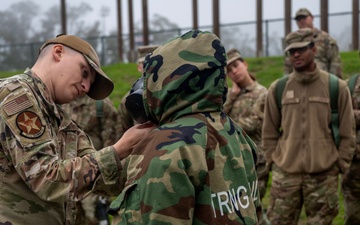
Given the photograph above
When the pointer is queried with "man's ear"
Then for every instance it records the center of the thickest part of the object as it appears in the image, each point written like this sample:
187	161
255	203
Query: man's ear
57	51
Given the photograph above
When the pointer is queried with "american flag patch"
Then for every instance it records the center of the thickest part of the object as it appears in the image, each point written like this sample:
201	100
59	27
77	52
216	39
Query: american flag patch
16	105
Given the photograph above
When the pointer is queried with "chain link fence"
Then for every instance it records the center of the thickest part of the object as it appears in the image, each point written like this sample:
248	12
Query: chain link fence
240	35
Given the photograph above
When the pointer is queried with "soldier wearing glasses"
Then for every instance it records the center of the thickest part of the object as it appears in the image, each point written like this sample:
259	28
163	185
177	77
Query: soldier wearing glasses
327	56
297	140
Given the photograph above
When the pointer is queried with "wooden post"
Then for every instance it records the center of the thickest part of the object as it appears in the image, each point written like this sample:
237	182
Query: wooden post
119	31
324	14
259	33
216	24
195	14
355	24
145	22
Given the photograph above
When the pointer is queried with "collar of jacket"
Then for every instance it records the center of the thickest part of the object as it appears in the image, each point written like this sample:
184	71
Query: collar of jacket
306	77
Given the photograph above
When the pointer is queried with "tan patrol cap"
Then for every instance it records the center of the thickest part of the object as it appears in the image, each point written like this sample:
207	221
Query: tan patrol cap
302	12
102	86
144	50
299	39
232	55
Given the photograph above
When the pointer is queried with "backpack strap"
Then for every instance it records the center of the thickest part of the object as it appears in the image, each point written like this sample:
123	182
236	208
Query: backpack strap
99	115
352	82
279	89
334	92
99	108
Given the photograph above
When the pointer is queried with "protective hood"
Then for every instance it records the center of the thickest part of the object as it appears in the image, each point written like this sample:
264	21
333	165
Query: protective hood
184	76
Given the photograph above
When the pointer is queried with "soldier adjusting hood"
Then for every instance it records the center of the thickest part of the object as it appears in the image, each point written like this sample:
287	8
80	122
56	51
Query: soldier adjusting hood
185	76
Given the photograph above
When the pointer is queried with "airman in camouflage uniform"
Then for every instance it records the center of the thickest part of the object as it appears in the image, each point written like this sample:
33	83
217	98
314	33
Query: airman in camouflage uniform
297	139
96	117
198	166
351	178
245	104
125	119
47	162
327	57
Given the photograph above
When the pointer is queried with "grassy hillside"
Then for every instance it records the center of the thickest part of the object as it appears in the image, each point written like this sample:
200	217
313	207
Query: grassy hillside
266	69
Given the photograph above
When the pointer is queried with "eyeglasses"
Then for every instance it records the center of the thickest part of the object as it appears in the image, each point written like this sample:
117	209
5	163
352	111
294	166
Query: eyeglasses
300	18
291	52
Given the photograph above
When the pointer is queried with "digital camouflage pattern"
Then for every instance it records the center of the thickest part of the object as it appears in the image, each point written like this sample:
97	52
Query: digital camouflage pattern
125	121
100	128
316	192
98	119
351	178
46	161
198	166
247	109
327	56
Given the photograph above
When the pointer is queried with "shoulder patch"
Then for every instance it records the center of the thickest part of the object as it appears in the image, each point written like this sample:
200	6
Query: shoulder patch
29	124
16	105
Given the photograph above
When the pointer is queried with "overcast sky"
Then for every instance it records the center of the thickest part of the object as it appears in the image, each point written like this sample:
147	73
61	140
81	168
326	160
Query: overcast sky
180	11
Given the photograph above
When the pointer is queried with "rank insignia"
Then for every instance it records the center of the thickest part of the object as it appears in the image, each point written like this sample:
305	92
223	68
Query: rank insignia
29	124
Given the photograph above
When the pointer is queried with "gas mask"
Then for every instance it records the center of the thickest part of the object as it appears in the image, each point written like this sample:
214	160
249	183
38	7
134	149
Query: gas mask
134	102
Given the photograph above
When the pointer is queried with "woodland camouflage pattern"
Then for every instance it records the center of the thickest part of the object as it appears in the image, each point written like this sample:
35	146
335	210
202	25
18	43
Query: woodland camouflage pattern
327	57
351	178
46	161
198	166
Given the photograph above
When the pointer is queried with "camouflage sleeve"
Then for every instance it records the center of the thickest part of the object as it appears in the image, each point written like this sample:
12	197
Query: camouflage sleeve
46	158
253	123
228	105
125	121
109	133
334	60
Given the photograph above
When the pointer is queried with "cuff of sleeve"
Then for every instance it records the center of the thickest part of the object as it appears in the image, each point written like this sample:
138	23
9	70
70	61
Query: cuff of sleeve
109	164
343	166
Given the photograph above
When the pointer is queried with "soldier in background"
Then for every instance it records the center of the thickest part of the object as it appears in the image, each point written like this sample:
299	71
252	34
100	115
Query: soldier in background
297	141
327	56
96	118
351	178
245	104
126	121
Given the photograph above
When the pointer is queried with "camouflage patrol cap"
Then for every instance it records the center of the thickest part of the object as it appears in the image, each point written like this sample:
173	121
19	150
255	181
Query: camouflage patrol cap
102	86
232	55
144	50
302	12
299	39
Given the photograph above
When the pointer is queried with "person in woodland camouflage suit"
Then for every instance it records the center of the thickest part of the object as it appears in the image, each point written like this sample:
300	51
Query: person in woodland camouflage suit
351	178
327	56
245	104
198	166
47	162
96	117
125	119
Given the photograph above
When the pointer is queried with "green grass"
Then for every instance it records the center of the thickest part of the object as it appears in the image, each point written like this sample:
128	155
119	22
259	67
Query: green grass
266	69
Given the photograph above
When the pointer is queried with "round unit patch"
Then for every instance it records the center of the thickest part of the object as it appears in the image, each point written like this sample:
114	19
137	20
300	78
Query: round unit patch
29	124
